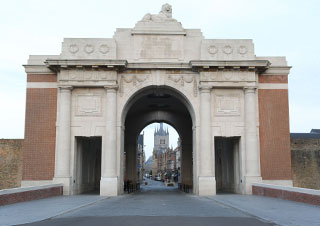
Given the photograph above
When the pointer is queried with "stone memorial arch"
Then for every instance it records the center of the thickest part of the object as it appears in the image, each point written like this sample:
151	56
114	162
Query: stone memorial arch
86	107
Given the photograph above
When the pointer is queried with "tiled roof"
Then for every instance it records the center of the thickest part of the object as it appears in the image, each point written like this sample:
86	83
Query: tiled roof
305	135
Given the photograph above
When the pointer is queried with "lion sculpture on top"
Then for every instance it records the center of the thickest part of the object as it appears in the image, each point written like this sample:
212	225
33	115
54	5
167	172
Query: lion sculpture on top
164	15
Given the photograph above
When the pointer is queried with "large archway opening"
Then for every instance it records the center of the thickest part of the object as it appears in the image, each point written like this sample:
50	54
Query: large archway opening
162	105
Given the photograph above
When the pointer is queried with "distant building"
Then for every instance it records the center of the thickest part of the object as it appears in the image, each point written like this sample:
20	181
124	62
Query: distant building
177	151
140	158
166	162
315	131
148	165
161	143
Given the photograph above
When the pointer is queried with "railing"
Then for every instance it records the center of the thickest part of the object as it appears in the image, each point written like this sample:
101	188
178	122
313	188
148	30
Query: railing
130	187
185	187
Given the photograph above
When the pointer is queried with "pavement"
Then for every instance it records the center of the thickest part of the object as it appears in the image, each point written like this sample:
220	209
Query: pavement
156	205
39	210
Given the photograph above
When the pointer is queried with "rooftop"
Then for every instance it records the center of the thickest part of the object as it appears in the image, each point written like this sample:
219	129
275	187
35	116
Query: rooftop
314	134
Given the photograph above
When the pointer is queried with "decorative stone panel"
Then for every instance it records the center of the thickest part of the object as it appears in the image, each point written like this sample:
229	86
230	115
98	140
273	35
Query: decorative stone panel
226	76
82	77
88	105
227	49
183	79
227	105
132	80
88	48
164	47
227	112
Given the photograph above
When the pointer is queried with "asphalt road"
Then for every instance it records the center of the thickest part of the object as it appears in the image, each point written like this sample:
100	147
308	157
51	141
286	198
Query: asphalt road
154	221
154	205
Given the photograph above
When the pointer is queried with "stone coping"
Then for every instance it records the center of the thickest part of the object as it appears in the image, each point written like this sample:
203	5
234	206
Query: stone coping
30	188
287	188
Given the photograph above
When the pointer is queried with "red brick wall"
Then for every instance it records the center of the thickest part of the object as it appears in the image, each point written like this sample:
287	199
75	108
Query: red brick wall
273	79
41	78
275	155
40	131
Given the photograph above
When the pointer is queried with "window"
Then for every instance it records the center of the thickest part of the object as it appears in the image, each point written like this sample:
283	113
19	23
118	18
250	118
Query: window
162	141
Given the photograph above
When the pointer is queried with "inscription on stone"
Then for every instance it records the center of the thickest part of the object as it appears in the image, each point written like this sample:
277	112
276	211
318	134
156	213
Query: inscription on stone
88	105
158	47
227	105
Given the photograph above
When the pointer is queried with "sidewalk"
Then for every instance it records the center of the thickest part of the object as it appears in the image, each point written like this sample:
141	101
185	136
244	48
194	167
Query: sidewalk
37	210
281	212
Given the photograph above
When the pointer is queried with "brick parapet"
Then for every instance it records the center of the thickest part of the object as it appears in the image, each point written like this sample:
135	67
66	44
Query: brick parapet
309	196
11	196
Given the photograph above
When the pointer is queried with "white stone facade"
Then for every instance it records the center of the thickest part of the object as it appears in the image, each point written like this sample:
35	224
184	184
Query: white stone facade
99	79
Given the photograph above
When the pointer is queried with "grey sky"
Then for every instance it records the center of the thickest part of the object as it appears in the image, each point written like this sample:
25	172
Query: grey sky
278	28
148	137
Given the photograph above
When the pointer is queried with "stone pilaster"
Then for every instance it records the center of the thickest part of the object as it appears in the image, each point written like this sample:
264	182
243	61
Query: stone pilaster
109	179
252	154
207	182
62	161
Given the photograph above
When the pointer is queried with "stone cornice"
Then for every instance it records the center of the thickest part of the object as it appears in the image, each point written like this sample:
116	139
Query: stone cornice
158	65
205	88
157	32
277	70
256	65
54	65
37	69
111	87
58	64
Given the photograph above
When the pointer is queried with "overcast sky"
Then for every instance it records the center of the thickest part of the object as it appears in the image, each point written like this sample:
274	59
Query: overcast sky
149	136
278	28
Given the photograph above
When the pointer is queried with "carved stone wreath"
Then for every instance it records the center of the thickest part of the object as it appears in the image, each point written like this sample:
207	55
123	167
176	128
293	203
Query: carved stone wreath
182	79
134	79
227	49
212	49
73	48
89	48
242	50
104	49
